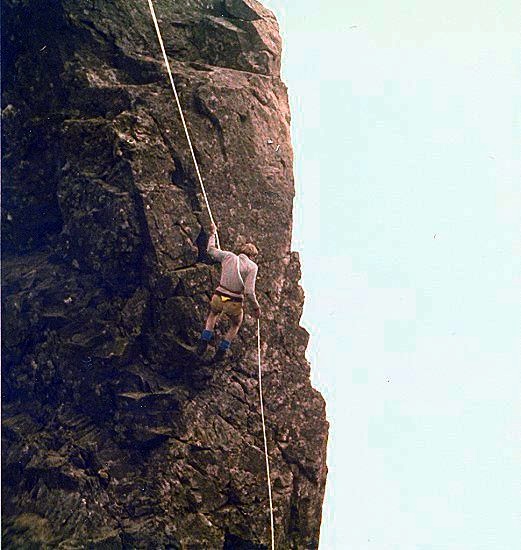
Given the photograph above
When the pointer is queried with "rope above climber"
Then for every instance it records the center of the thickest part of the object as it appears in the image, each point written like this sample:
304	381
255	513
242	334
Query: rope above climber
238	275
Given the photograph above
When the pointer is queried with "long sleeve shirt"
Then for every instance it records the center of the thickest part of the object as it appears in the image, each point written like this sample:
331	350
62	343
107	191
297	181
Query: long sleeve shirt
230	282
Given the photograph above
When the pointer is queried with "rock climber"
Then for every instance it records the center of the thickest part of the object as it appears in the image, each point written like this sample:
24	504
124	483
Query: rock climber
238	274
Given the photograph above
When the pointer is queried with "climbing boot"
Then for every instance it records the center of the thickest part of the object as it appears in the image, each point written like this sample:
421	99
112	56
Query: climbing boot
206	336
220	354
201	347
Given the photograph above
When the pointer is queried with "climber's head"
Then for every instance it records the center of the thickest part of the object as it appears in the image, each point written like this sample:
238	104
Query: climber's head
249	249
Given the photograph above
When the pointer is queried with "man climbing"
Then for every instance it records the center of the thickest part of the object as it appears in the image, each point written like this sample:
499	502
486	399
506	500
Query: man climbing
238	274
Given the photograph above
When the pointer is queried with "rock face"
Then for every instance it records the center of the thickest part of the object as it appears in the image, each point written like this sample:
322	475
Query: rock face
113	436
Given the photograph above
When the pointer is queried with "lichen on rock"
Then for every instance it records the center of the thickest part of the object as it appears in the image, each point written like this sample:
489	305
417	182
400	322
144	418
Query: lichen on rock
113	436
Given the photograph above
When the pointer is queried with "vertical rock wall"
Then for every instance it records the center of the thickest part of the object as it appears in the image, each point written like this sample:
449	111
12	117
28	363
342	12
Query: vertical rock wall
113	437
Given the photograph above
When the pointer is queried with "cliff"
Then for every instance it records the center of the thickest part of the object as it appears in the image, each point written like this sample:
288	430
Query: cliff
113	436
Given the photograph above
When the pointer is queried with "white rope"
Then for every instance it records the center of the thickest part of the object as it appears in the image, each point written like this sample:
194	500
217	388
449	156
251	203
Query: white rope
264	434
167	65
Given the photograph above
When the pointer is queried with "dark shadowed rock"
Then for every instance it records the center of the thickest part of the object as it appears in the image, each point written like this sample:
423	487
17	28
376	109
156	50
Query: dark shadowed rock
114	435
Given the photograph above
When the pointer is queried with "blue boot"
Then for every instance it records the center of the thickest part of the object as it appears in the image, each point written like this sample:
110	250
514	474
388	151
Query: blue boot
221	352
206	336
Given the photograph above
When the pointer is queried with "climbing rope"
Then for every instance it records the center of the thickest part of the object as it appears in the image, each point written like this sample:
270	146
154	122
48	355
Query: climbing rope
264	433
167	65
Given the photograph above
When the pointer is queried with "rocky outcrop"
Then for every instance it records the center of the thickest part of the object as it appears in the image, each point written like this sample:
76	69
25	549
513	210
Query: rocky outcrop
113	436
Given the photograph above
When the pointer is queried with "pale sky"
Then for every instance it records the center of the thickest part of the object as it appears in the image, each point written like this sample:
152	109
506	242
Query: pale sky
406	131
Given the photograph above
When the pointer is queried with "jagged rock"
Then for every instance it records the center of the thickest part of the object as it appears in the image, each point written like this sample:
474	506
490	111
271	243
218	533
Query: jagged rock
115	436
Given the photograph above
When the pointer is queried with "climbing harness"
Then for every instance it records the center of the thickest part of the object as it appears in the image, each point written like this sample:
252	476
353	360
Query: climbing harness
167	65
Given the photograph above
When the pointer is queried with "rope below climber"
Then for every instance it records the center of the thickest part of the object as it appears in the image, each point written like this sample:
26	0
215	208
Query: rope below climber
238	275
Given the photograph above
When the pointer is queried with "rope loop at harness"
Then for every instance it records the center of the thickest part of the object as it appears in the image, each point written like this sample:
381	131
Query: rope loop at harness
167	65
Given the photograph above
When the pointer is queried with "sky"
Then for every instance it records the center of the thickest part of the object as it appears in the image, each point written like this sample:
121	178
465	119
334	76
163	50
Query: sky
406	128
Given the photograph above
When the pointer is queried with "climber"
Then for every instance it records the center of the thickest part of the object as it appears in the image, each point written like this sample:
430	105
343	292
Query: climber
238	273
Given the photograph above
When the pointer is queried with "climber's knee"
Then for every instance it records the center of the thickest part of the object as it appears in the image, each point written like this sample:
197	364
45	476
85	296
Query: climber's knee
235	313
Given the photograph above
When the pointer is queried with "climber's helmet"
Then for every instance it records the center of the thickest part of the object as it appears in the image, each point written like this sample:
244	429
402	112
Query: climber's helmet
249	249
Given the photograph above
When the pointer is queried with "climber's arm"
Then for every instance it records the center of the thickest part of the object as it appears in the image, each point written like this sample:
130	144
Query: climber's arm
212	250
249	290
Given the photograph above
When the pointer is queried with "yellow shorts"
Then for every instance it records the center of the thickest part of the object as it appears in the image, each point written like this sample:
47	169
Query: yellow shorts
221	304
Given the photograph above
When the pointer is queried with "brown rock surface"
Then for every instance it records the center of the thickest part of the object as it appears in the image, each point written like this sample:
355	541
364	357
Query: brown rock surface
113	436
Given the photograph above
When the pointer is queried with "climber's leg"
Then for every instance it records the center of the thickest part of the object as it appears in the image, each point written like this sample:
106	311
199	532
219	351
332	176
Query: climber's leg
234	311
212	320
234	328
216	308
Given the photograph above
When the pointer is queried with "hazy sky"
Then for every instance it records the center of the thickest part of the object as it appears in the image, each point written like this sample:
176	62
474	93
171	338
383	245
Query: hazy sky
406	130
